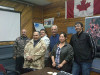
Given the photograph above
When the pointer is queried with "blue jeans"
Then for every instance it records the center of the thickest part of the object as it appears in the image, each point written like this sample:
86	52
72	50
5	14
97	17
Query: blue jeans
1	73
83	67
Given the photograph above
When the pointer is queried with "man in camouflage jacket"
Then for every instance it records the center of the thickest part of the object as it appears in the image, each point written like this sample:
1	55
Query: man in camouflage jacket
19	50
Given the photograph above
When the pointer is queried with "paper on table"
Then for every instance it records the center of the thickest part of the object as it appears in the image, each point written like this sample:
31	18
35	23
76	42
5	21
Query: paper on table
50	72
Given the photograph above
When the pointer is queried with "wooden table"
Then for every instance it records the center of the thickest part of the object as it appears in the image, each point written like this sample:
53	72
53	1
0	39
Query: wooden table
41	72
94	73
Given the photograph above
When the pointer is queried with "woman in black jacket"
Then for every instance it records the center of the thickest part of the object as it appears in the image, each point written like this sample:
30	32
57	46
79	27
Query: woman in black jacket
62	54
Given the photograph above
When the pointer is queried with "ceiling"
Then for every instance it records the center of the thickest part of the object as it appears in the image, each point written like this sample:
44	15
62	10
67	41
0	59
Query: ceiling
37	2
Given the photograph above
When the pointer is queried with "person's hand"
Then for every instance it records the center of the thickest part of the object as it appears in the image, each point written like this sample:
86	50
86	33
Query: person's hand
53	64
60	66
29	58
14	58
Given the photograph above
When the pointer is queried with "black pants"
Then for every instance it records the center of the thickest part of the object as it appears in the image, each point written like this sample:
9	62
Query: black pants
19	64
48	62
29	70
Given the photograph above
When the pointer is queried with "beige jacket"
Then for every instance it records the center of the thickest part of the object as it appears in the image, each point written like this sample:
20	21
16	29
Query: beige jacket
37	53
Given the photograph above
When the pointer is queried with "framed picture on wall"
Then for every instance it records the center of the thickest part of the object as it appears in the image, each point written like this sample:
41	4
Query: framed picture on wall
38	26
48	22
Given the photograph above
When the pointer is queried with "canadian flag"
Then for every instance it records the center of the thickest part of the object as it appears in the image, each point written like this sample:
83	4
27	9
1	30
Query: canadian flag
81	8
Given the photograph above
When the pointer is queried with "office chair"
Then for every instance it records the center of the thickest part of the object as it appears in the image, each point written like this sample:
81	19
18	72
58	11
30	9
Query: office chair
4	71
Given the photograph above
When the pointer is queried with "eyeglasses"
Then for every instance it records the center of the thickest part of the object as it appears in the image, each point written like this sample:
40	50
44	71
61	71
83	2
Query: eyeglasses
77	25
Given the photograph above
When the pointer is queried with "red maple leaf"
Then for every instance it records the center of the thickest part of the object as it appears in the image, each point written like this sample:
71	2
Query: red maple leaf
83	5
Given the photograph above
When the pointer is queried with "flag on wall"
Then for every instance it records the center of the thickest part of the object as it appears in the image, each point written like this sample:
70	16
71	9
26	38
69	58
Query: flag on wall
81	8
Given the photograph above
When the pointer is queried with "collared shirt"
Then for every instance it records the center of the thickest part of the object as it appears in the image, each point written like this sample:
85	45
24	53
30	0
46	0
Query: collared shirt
53	40
66	53
57	59
78	35
36	41
46	40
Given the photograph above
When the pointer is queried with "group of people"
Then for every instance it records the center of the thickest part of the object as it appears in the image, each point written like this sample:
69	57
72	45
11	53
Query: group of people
75	57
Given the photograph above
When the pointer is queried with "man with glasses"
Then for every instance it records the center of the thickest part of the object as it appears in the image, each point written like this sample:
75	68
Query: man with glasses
19	50
83	46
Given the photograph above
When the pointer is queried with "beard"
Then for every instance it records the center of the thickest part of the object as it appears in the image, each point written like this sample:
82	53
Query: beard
24	35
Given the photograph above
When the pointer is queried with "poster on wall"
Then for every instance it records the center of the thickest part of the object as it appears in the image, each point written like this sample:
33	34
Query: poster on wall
92	26
48	22
71	30
38	26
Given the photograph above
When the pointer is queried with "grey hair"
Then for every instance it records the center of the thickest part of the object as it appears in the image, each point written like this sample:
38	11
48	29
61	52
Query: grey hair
54	26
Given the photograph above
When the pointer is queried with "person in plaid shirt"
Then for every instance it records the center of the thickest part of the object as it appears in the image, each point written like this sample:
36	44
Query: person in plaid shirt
62	54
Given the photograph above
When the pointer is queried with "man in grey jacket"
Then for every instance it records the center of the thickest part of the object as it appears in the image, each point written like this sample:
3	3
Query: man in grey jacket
19	50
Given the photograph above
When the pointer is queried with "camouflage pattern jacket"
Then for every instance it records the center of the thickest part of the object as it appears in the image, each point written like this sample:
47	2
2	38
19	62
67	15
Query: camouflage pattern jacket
19	46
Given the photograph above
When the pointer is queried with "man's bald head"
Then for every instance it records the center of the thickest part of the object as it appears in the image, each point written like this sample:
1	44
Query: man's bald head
54	30
24	32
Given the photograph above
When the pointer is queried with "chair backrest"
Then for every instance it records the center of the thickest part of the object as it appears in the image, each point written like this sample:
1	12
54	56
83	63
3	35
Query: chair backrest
6	60
6	51
6	56
2	69
98	52
98	48
96	65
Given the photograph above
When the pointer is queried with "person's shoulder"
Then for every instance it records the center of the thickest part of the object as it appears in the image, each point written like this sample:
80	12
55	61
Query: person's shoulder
86	34
51	36
46	37
56	45
74	35
18	38
30	41
57	35
42	40
28	38
67	44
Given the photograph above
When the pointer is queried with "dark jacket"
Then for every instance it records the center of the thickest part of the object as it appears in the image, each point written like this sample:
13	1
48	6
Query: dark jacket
83	46
65	54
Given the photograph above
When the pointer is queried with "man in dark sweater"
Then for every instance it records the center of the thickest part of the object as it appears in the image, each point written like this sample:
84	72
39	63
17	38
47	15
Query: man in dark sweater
83	46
